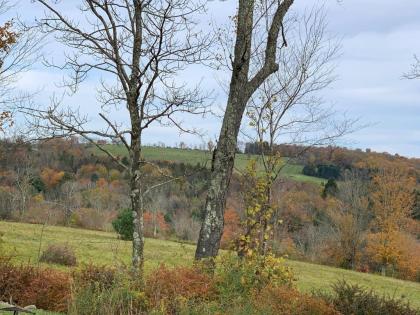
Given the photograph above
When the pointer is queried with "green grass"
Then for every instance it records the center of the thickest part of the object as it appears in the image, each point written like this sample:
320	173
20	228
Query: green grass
23	241
194	157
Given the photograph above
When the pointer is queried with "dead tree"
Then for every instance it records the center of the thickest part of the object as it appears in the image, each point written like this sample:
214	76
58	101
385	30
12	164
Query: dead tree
247	76
139	48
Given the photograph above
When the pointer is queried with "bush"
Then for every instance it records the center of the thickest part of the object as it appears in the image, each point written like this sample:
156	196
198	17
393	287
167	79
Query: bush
60	254
288	301
48	289
42	213
88	218
102	276
170	289
351	299
239	277
103	290
123	225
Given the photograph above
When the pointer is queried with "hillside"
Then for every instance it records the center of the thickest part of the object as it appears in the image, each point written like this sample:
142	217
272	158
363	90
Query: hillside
23	241
194	157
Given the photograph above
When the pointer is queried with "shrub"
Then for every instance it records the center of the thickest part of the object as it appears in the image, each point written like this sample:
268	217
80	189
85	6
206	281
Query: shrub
288	301
123	225
40	213
60	254
48	289
103	290
88	218
170	289
238	277
351	299
102	276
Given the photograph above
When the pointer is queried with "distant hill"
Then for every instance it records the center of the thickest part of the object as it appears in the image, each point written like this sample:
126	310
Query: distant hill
194	157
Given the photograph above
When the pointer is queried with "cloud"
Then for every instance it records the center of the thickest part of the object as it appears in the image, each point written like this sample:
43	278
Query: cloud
379	39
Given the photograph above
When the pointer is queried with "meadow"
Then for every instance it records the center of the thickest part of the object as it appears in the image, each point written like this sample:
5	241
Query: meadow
194	157
26	241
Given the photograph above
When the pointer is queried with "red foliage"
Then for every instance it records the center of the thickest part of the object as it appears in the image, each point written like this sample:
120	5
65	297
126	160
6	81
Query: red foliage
48	289
155	220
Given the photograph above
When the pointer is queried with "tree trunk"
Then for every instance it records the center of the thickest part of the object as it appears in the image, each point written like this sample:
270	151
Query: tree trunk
137	208
136	189
240	91
222	166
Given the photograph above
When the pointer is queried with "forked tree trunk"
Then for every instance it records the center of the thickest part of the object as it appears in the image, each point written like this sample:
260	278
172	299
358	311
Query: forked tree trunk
240	91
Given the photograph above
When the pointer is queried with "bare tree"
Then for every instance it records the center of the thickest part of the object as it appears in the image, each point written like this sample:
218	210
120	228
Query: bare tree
246	77
288	106
414	72
139	48
18	50
24	188
350	219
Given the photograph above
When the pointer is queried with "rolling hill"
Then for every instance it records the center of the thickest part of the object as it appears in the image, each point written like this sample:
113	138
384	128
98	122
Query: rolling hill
194	157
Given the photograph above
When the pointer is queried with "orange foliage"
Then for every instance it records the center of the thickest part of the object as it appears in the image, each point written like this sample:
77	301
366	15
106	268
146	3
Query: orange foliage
167	289
51	178
101	183
152	221
392	200
396	253
393	197
7	37
88	169
231	229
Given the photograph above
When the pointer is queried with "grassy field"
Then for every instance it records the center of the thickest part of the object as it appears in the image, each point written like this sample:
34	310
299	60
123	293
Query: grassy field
23	241
195	157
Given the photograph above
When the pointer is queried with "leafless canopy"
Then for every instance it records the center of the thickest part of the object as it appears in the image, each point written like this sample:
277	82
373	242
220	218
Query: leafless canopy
14	60
288	107
414	73
139	49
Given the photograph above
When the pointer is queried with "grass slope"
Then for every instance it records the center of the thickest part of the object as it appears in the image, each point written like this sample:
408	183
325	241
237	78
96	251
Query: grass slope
23	241
195	157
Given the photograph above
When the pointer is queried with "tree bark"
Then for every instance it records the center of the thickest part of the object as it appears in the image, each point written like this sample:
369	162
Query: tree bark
240	91
136	204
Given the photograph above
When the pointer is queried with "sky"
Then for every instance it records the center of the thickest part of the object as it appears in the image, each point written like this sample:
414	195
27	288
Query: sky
379	39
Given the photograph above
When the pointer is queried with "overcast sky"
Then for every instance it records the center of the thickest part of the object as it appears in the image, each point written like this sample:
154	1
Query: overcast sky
379	39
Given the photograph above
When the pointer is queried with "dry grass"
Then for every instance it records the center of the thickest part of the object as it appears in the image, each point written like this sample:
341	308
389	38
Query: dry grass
22	240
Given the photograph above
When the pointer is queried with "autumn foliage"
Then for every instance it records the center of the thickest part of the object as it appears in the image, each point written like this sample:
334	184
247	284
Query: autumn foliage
231	228
27	285
51	178
169	288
